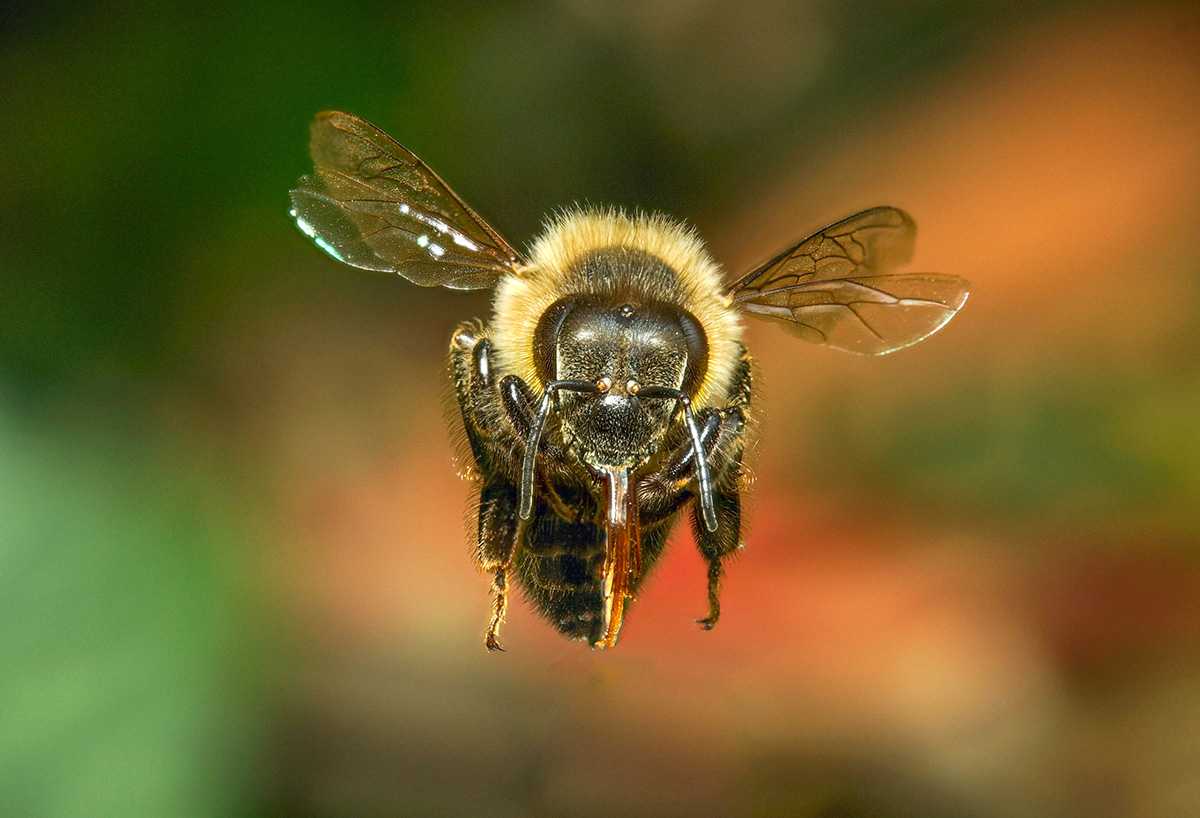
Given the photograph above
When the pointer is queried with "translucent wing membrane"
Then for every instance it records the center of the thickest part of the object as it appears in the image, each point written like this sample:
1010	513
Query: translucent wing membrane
871	315
373	204
835	287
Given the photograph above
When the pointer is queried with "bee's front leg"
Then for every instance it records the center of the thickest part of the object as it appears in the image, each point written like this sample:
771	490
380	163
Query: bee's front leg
519	402
520	408
681	465
498	530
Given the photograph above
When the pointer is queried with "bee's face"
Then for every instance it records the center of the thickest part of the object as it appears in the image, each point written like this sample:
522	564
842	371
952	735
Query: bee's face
622	348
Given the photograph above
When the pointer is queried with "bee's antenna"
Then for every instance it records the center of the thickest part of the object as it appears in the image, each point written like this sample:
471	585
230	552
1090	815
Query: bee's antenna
535	437
702	477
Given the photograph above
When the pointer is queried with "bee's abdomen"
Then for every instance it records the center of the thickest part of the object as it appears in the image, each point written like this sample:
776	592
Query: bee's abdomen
559	565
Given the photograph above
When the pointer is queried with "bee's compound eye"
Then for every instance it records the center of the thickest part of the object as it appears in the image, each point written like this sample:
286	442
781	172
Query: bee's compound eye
632	387
626	310
604	384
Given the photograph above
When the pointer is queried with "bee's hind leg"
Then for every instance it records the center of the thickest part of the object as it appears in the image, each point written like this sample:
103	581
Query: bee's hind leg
716	545
495	547
491	639
720	430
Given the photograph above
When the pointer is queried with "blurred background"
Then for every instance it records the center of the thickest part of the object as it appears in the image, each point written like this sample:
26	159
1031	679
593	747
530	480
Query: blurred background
234	578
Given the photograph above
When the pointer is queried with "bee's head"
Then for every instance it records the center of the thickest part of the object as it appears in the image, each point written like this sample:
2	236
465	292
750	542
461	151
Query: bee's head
622	346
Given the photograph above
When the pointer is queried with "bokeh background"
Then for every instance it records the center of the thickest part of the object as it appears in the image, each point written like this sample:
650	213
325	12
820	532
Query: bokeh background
233	571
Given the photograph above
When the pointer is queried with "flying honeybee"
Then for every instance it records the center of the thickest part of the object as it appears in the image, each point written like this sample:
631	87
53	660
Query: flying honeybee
611	388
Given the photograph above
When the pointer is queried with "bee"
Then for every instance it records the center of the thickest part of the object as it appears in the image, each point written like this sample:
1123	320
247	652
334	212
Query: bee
611	390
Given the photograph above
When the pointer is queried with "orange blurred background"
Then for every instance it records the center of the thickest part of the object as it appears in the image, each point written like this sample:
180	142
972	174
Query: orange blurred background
239	582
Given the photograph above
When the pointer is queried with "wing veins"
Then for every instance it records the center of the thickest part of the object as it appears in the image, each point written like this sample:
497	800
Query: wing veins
851	306
442	218
849	269
756	295
888	220
407	158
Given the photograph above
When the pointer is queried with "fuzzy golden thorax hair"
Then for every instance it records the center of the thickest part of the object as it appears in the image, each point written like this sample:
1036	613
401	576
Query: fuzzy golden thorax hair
553	272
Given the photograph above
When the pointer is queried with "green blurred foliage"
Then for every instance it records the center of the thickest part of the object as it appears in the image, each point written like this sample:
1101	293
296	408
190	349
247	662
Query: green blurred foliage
128	648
